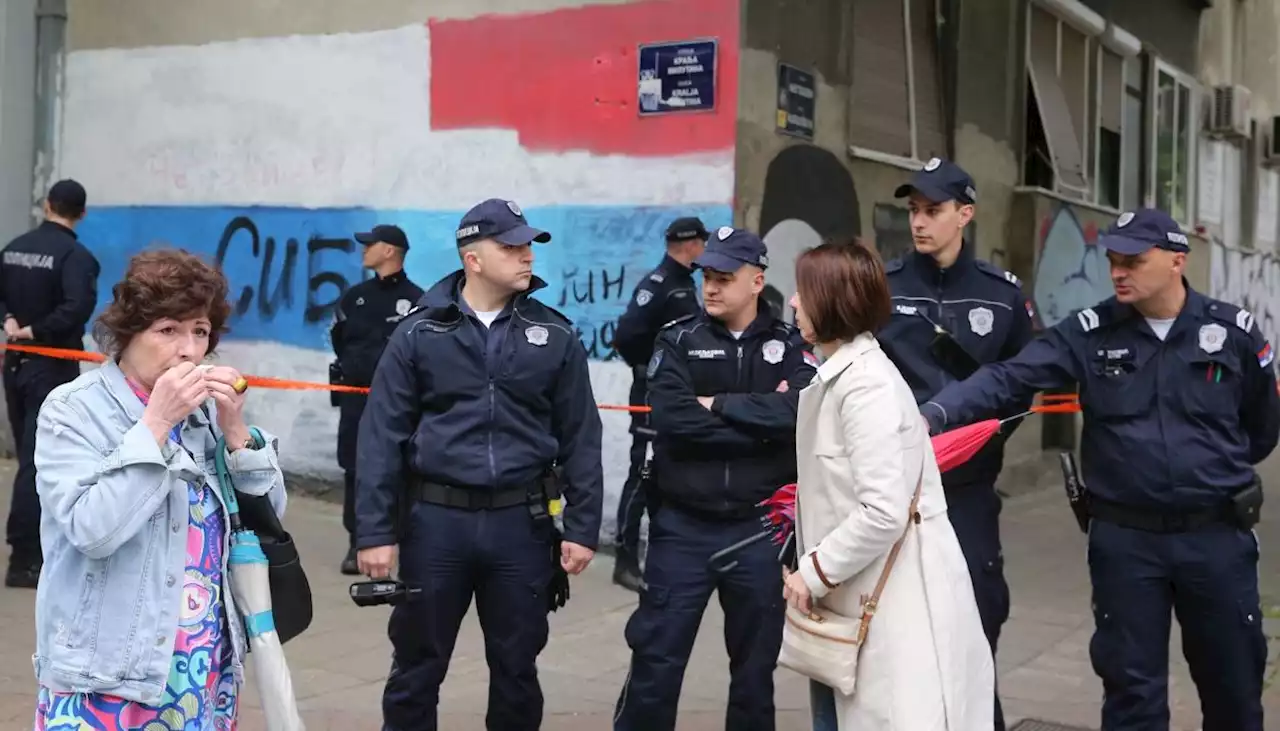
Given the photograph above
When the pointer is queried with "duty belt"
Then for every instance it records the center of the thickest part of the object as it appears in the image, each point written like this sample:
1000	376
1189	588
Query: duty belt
467	498
1154	521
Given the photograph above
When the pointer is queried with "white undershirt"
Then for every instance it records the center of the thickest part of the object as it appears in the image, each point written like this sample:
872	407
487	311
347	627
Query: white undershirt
1161	327
488	317
737	334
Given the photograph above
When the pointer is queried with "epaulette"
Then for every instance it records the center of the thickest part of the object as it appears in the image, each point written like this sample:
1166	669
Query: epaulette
997	272
1092	318
678	320
657	276
893	265
1229	313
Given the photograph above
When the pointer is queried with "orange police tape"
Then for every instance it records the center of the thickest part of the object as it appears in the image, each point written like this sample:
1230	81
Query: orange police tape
1054	403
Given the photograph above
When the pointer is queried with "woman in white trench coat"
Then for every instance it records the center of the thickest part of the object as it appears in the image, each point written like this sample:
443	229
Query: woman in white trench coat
861	447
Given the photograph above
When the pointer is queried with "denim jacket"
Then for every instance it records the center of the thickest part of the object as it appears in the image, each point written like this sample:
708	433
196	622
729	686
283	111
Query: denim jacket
113	528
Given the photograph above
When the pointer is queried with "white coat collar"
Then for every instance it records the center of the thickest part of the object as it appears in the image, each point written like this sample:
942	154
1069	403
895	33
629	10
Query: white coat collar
845	355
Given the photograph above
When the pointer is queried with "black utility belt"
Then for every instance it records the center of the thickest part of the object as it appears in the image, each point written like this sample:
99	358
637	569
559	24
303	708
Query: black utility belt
469	498
1240	511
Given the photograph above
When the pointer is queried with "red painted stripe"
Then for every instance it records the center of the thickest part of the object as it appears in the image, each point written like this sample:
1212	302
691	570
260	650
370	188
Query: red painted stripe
566	79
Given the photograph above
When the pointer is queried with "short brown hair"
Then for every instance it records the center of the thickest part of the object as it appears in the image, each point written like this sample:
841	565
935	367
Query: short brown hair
159	284
843	290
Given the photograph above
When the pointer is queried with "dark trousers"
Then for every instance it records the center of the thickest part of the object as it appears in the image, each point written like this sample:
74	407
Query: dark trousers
974	511
351	408
452	554
662	630
1209	579
631	505
27	383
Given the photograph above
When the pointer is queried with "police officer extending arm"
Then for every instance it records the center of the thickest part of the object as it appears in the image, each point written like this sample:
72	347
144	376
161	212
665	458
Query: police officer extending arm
724	386
481	391
48	289
1179	398
365	317
663	295
952	313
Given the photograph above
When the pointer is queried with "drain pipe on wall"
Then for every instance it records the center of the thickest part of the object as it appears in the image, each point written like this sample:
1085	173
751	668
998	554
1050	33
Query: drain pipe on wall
51	31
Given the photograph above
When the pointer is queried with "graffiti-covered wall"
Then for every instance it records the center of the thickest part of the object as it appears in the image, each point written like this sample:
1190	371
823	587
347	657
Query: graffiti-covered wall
267	153
1251	280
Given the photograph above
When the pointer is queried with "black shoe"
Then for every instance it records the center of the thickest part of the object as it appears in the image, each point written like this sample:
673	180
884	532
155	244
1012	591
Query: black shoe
626	572
349	566
22	576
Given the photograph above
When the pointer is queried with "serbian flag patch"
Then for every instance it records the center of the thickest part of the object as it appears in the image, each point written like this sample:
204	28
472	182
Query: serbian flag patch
1266	355
810	358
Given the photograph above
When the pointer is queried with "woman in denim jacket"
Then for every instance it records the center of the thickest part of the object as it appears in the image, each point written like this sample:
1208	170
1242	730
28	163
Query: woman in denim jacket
135	624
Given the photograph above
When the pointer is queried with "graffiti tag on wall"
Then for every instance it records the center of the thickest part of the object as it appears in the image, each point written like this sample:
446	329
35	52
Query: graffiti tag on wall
1071	270
1250	280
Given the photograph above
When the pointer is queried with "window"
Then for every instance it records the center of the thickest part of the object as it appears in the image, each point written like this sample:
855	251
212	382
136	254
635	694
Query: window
1131	143
1173	133
896	85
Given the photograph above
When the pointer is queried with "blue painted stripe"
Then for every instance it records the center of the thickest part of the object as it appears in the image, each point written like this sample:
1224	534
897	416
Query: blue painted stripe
289	266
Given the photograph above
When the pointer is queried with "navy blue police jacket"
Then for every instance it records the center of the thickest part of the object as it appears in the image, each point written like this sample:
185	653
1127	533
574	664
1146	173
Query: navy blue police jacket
456	403
1173	425
49	281
721	461
988	317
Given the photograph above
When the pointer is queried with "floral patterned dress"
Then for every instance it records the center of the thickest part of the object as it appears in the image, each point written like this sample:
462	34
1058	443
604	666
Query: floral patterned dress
201	694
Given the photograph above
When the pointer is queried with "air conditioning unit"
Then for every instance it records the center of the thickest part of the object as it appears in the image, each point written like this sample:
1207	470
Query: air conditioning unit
1229	111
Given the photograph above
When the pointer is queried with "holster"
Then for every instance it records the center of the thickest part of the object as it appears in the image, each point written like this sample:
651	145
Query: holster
543	507
1246	505
1077	495
335	379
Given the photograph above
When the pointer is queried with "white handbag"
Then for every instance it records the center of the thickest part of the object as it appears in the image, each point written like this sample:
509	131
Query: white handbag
824	645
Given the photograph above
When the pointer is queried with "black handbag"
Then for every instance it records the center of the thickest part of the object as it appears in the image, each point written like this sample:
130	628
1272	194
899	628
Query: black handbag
291	605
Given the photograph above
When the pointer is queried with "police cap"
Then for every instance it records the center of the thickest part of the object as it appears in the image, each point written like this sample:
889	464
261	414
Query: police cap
940	181
687	229
1139	230
500	220
731	248
384	234
68	194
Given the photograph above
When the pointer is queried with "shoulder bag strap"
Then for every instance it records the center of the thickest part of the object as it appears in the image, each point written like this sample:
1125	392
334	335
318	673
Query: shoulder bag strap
913	516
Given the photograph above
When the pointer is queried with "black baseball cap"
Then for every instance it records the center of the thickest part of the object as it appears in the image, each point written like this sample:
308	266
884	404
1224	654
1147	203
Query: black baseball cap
1139	230
67	194
940	181
687	229
385	234
500	220
731	248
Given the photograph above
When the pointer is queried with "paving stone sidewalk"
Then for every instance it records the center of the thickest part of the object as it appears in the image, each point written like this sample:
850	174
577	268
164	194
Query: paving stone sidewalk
339	664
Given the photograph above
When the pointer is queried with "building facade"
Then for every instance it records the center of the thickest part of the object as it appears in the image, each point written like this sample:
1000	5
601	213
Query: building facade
264	134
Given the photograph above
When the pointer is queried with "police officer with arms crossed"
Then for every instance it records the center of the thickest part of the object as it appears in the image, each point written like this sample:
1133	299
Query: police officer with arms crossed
48	289
951	313
1178	393
480	391
664	294
724	386
365	317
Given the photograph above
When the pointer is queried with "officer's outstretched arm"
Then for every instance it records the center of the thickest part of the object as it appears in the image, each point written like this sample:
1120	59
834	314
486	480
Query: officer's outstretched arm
1021	333
770	415
577	427
676	414
1047	362
387	425
80	290
1260	407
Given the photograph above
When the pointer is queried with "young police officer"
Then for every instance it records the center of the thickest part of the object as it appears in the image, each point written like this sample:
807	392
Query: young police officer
480	391
1179	398
48	289
663	295
366	316
952	312
724	386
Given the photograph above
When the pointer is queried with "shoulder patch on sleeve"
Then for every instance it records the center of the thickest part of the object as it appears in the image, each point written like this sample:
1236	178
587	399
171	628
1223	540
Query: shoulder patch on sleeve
643	297
657	276
997	272
1089	319
1267	355
677	321
810	358
892	266
654	362
1232	315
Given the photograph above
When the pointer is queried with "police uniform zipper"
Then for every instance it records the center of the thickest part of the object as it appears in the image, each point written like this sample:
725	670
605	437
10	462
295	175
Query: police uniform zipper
737	379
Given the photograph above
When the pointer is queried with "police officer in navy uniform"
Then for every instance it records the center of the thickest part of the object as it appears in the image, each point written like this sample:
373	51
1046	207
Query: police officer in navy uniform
48	290
1178	393
664	294
951	313
724	386
481	392
365	317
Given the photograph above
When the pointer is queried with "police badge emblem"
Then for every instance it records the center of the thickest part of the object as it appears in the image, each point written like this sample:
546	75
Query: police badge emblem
402	307
724	232
644	297
511	205
773	351
1124	219
932	164
1212	337
536	335
980	321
